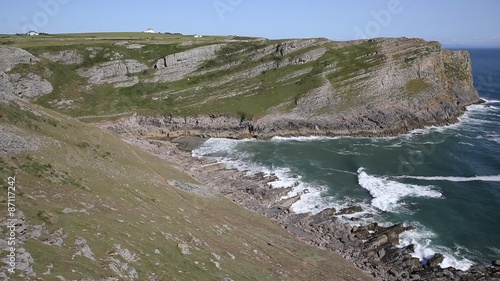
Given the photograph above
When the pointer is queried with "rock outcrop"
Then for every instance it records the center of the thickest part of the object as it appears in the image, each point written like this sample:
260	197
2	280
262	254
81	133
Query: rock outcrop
119	73
404	84
12	56
64	57
30	86
176	66
16	85
6	88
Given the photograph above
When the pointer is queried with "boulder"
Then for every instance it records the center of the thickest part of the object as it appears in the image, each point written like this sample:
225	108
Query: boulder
350	210
435	260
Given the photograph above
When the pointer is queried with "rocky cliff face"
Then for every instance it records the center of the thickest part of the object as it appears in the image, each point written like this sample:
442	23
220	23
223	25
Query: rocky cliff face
413	84
252	88
16	85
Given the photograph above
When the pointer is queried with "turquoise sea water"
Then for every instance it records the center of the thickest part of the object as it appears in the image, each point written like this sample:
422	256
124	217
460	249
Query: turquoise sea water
444	181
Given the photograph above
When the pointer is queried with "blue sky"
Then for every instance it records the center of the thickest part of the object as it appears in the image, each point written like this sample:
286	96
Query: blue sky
464	22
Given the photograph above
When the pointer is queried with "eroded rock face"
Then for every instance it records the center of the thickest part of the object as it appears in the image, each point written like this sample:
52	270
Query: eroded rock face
14	140
30	86
414	84
114	72
6	88
13	85
12	56
176	66
64	57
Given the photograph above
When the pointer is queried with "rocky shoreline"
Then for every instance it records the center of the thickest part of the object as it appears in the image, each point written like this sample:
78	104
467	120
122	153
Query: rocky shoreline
372	247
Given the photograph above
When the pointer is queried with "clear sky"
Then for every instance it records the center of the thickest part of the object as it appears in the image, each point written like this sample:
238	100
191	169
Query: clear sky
449	21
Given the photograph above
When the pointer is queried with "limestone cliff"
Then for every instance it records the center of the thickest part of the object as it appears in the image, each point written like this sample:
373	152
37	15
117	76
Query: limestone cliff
413	84
238	88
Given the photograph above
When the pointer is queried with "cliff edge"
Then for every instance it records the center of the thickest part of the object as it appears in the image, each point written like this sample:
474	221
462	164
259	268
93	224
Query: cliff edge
247	87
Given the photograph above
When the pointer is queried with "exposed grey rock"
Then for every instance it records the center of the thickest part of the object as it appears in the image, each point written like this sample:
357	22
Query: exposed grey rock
119	260
382	107
93	51
16	85
435	260
114	72
6	88
130	46
177	66
56	238
30	86
70	211
295	74
291	46
83	249
63	103
64	57
192	188
12	56
350	210
14	140
35	231
184	249
25	262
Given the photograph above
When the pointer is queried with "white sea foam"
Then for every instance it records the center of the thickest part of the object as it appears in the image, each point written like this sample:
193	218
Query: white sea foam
495	250
454	179
494	138
424	248
216	145
387	194
311	200
491	101
303	139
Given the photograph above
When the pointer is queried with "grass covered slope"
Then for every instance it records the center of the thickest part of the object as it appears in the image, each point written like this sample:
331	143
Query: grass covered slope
92	206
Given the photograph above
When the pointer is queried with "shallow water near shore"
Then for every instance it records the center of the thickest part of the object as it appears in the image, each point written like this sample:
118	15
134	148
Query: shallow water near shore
445	181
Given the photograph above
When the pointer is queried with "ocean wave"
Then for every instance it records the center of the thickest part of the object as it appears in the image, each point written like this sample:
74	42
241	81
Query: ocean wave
490	101
215	146
453	179
494	138
387	194
343	151
466	143
302	139
422	238
311	200
495	250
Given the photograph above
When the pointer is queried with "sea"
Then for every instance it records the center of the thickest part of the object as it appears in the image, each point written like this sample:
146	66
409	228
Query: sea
444	181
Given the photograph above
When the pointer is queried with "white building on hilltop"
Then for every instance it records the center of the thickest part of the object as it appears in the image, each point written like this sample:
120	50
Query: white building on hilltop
149	30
